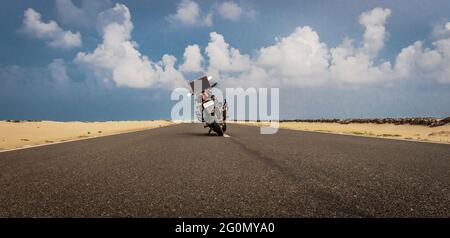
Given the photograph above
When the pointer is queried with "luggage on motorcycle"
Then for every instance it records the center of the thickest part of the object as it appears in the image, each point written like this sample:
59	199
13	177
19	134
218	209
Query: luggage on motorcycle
209	106
199	85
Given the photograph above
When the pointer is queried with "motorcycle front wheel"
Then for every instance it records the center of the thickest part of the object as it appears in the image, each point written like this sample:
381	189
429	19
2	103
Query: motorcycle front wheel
224	127
217	129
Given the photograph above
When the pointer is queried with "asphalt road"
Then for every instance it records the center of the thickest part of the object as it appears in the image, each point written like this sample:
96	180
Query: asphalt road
179	171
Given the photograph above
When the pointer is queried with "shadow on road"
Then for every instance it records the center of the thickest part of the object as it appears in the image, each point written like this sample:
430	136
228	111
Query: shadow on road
200	134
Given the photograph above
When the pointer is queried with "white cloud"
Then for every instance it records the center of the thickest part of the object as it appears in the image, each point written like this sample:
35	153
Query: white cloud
192	59
301	59
118	59
417	61
297	60
441	30
358	68
224	58
208	20
58	71
230	11
189	13
168	74
375	33
50	31
356	65
83	16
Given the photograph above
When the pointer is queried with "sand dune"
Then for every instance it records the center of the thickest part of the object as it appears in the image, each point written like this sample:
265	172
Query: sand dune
25	133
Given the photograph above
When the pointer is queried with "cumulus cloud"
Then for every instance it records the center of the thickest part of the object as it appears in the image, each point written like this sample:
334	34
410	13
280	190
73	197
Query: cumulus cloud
118	59
192	59
224	58
356	64
83	16
301	59
189	13
375	33
441	30
230	11
50	31
58	71
208	20
417	61
297	60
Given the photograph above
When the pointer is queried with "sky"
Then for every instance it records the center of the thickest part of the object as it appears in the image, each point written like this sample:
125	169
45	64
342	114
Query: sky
96	60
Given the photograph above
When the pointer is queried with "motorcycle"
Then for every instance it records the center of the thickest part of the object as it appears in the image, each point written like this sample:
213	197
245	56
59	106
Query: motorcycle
209	110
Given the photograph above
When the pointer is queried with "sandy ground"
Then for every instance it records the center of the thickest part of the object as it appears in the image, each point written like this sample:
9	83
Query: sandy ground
25	134
440	134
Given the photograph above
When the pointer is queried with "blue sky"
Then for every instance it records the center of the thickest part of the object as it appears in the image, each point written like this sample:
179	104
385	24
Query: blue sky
59	71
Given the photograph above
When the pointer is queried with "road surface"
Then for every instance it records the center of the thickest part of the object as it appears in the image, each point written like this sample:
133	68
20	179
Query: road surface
179	171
